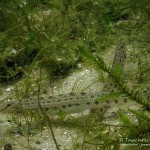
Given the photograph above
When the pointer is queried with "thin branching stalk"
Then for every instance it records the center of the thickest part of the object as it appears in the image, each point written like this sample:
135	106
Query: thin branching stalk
46	116
100	64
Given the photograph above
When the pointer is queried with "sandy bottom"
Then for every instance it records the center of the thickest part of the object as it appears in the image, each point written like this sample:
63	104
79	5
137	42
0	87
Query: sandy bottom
67	138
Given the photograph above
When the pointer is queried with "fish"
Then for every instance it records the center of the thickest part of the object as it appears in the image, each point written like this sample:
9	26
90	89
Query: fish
69	102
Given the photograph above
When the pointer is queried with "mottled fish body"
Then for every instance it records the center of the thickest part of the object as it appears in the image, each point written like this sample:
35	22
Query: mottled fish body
70	102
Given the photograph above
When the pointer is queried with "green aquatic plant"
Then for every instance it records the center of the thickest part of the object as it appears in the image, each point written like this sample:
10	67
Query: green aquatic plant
46	37
99	63
137	129
132	129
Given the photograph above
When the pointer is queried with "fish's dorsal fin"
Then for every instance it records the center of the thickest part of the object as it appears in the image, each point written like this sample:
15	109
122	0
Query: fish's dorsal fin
79	86
82	87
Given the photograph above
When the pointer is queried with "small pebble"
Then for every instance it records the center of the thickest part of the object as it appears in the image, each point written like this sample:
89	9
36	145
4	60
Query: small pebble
14	51
8	146
9	89
79	66
37	142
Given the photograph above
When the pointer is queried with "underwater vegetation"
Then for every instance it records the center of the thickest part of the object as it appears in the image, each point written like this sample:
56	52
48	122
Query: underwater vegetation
43	42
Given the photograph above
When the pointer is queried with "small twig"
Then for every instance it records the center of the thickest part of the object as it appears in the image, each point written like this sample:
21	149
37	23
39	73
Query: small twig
46	116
